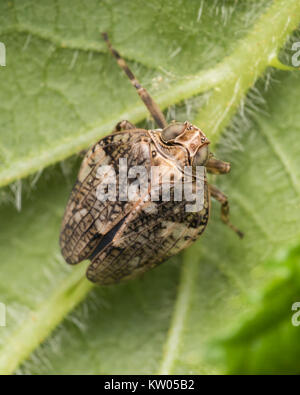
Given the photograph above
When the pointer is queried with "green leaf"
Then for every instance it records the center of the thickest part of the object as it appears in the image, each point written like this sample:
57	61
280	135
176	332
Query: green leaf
61	90
164	321
267	341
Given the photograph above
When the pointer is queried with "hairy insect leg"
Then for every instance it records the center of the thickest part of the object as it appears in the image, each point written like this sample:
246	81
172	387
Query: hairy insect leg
223	200
144	95
216	166
123	125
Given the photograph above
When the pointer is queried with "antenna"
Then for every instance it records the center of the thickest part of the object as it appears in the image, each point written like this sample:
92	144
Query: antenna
144	95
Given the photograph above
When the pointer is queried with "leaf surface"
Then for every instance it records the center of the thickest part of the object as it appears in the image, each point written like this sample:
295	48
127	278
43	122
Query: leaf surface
164	321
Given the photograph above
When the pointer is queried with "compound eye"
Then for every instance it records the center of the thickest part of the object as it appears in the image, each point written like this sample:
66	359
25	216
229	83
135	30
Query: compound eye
201	156
172	131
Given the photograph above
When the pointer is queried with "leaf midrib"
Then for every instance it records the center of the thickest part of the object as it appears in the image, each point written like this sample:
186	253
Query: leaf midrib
88	134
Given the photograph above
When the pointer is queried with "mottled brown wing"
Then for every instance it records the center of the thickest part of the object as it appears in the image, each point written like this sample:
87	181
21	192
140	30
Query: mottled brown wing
87	219
152	233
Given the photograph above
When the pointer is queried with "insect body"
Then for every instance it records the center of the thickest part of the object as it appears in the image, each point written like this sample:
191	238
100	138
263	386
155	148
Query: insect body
126	237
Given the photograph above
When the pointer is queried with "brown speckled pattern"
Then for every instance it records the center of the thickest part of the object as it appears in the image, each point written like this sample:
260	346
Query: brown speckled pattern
147	232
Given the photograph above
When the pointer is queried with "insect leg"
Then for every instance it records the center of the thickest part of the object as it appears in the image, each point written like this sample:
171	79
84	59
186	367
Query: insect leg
144	95
216	166
222	199
123	125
